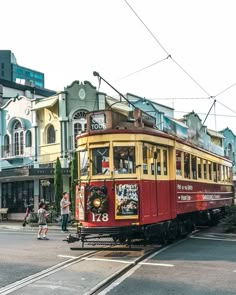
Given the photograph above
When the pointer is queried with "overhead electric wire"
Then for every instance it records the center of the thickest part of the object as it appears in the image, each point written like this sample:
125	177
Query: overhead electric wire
177	98
147	28
225	90
159	43
155	63
217	115
226	106
189	76
165	49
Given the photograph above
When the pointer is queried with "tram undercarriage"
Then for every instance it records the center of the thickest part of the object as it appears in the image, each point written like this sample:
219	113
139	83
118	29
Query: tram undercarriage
162	232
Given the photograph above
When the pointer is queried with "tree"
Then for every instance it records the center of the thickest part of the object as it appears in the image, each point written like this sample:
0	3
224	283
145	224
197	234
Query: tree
58	184
73	182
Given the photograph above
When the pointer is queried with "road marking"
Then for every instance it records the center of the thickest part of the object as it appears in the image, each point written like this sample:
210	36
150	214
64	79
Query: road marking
157	264
35	277
212	239
130	272
110	260
66	256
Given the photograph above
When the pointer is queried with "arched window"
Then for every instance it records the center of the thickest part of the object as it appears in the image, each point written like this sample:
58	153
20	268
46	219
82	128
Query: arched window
230	151
6	143
28	139
18	139
79	124
51	134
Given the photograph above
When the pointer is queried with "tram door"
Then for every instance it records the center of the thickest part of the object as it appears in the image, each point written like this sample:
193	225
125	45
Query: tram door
156	190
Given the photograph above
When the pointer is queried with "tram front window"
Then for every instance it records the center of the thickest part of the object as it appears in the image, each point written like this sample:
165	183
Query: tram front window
100	161
83	159
124	159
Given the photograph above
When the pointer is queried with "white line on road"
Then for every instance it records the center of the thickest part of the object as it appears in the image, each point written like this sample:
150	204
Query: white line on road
130	272
109	260
66	256
157	264
35	277
213	239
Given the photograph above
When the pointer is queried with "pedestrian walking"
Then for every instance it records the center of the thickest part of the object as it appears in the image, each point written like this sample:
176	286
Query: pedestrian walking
42	222
29	210
65	209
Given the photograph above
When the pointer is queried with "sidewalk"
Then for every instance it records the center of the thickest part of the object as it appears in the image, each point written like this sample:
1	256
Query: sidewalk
17	225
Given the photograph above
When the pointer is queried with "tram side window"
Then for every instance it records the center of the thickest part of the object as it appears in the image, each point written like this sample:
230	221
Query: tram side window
157	161
83	160
194	166
124	159
145	160
205	170
219	173
100	161
165	170
214	172
199	167
178	163
223	176
186	165
228	174
210	170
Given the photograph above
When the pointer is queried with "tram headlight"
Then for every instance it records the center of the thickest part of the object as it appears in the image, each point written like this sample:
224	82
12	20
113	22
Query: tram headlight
96	202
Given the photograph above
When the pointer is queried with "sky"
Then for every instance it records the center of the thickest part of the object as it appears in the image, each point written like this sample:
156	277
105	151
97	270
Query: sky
177	53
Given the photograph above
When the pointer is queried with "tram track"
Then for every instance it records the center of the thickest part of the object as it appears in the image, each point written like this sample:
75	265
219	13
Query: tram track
129	266
104	286
49	271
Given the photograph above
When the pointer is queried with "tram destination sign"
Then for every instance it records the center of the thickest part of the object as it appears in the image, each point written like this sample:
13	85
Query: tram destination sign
98	122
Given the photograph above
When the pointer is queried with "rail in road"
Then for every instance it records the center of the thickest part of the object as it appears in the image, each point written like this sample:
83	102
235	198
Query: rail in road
32	278
128	266
90	257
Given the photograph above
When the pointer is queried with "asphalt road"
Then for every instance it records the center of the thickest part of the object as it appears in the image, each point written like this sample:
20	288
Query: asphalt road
202	264
21	254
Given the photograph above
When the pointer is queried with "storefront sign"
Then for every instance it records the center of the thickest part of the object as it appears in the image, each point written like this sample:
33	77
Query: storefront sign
46	171
80	203
98	122
127	202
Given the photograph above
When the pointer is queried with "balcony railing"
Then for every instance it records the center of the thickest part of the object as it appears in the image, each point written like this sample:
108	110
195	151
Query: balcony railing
16	151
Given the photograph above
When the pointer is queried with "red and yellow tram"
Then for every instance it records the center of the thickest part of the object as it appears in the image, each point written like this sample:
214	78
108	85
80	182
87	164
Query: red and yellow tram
136	181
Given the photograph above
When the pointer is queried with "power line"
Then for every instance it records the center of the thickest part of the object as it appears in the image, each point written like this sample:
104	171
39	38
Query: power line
155	63
226	106
225	89
178	98
146	27
189	76
165	49
217	115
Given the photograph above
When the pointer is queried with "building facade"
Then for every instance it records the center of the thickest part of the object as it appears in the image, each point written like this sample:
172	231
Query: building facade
11	71
34	133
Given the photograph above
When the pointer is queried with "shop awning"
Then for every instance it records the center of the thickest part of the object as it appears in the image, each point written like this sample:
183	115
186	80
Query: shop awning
46	103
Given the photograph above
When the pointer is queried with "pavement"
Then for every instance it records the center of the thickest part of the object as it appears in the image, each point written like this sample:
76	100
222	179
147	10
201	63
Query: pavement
17	225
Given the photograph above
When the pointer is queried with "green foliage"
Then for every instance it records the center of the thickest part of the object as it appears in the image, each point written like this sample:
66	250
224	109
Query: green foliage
229	222
53	213
74	177
58	185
